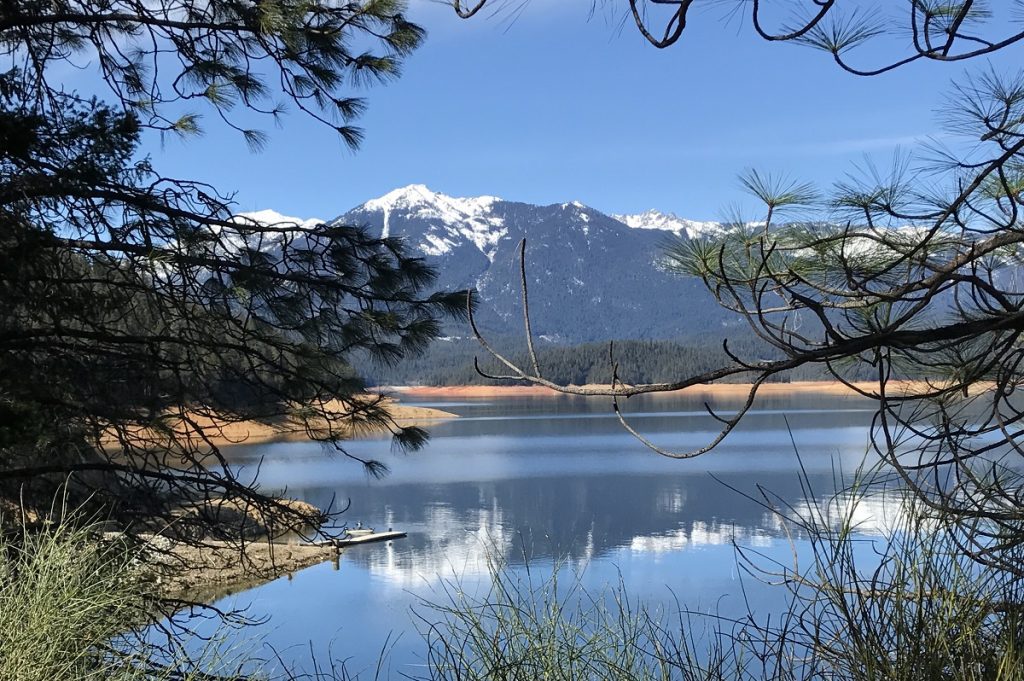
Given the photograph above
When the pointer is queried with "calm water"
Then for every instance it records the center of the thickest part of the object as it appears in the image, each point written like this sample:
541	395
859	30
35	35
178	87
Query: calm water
536	479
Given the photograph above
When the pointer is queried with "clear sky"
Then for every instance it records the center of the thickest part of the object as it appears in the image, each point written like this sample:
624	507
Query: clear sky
559	106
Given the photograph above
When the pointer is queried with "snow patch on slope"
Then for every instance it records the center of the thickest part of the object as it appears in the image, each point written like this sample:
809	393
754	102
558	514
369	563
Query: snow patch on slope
271	218
261	241
461	218
670	222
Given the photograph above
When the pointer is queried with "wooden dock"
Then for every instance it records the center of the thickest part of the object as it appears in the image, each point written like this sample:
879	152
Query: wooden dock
341	543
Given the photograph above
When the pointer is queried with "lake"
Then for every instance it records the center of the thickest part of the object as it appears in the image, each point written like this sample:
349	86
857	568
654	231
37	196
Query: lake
532	481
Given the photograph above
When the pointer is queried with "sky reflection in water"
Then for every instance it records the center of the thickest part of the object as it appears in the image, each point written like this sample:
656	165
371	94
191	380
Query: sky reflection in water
537	479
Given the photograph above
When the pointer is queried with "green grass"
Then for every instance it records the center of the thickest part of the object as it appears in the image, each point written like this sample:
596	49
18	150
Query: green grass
915	607
74	607
63	598
526	630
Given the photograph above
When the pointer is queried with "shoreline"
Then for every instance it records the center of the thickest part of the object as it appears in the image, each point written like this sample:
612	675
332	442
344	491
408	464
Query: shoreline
255	433
220	569
714	390
203	430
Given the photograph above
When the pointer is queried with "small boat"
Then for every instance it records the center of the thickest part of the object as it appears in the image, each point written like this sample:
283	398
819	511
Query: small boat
359	531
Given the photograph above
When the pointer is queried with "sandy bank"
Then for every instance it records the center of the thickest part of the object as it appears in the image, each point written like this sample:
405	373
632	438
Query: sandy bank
206	572
202	429
713	390
218	569
253	432
206	569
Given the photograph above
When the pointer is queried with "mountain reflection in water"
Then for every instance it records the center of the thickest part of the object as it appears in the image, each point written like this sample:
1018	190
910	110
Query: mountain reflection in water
535	480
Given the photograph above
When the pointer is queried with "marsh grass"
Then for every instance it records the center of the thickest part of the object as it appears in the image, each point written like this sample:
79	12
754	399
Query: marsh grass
75	607
544	629
902	603
906	604
63	598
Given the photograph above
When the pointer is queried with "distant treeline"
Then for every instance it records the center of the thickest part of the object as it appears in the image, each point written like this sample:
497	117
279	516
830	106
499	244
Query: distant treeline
451	362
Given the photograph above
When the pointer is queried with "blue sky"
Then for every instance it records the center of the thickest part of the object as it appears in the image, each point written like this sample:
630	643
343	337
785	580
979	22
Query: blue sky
561	106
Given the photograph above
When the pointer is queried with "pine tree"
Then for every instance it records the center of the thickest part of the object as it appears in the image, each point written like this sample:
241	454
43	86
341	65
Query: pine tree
139	318
911	272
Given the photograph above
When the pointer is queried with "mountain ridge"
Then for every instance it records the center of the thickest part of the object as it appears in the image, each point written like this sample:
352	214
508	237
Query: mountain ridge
592	276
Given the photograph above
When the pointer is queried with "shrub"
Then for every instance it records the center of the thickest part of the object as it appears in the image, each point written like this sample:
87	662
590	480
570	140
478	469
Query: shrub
72	606
908	604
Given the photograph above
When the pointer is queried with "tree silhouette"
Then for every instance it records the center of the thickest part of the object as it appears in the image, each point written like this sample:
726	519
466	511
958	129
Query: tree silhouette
912	272
139	318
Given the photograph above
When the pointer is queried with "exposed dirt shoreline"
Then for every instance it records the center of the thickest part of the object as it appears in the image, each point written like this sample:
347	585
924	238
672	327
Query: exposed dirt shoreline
220	570
253	432
216	569
716	389
203	430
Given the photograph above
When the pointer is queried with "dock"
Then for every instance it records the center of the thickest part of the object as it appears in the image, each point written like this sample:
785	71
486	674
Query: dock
341	543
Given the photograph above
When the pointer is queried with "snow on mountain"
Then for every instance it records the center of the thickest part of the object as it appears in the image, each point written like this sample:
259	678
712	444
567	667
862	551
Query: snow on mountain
588	269
592	276
481	220
470	218
670	222
420	196
261	241
268	218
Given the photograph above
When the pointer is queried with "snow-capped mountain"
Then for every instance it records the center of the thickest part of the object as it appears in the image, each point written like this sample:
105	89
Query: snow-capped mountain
470	218
592	276
266	242
273	218
670	222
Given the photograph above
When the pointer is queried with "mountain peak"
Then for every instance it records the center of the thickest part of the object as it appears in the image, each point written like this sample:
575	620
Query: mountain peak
652	219
669	222
581	260
654	213
409	195
415	195
268	217
452	219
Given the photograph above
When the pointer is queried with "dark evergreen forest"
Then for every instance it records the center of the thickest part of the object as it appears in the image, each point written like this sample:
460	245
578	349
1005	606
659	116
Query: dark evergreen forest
451	362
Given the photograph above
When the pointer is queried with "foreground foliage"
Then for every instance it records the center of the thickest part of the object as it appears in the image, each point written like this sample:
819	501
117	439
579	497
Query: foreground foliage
907	605
71	608
81	606
139	317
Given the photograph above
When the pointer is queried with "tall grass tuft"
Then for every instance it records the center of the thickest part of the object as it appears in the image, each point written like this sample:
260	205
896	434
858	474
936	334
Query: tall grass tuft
64	597
909	604
74	607
523	629
904	602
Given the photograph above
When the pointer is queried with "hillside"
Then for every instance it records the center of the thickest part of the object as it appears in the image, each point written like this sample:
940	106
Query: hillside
592	276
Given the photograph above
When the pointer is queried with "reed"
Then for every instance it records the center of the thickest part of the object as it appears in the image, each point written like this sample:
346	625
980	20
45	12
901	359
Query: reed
73	606
906	604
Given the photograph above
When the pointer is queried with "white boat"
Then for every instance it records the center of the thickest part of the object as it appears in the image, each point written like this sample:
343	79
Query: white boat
359	531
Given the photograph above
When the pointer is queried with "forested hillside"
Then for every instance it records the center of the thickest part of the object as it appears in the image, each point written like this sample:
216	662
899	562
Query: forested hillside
592	276
451	362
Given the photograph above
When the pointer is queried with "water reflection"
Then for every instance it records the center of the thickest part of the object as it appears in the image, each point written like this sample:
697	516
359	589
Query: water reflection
535	479
553	516
879	514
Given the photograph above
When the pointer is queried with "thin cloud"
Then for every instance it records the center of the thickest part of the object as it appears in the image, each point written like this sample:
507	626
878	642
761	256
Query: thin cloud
805	148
